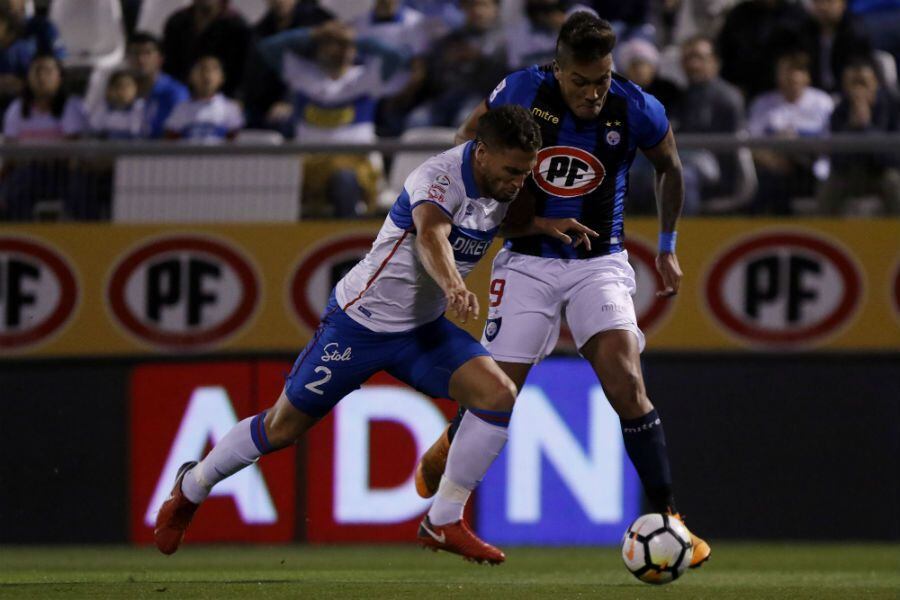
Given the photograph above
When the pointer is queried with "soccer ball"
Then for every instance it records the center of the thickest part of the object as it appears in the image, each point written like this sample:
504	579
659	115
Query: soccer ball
657	548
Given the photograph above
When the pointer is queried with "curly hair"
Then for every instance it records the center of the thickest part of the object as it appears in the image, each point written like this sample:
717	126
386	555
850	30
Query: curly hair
509	126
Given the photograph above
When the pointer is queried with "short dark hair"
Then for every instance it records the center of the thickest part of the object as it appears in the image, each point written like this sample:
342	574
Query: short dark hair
795	59
585	37
145	37
121	74
509	126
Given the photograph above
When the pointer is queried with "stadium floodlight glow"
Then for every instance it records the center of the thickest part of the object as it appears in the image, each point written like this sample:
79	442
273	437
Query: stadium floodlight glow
208	417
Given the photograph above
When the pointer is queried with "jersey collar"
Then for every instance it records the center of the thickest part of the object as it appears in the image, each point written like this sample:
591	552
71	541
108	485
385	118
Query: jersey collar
468	174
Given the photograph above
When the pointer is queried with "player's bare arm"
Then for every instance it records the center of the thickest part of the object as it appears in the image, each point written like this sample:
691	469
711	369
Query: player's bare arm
466	131
669	200
521	221
434	250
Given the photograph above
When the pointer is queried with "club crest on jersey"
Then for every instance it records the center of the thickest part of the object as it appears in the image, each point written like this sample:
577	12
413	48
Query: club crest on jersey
492	328
613	138
567	171
442	180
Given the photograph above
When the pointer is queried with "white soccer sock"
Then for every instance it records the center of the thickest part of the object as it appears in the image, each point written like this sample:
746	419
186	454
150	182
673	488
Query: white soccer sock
475	446
233	452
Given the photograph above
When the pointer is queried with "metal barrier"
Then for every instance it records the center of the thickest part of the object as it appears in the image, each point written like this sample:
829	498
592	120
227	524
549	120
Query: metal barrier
164	181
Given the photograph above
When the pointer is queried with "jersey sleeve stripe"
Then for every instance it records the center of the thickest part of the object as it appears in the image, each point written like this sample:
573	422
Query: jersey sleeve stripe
438	204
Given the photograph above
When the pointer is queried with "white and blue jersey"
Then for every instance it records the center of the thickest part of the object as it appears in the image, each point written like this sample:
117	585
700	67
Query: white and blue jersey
206	120
387	313
389	290
582	167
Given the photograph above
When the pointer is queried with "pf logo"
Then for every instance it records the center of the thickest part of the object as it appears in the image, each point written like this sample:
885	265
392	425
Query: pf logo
566	171
38	293
183	292
783	289
318	272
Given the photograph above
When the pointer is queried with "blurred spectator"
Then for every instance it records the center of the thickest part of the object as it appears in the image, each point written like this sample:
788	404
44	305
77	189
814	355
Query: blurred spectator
794	109
864	107
638	60
393	23
831	37
262	87
160	91
709	105
209	116
747	42
20	40
629	19
532	39
881	19
44	112
121	115
463	67
334	101
207	27
684	19
37	27
441	16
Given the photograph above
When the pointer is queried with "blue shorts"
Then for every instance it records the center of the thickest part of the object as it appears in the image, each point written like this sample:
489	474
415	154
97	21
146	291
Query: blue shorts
343	354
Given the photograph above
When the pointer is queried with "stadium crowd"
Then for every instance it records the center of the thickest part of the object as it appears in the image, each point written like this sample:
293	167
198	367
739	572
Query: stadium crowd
765	67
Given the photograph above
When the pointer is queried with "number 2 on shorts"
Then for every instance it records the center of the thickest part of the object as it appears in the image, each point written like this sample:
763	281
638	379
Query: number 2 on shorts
313	386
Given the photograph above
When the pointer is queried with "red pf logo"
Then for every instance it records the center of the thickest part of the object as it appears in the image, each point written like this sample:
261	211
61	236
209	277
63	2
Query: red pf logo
38	293
784	289
184	293
567	172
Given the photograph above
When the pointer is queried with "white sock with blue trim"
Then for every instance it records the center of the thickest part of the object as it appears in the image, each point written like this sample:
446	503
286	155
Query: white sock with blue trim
475	447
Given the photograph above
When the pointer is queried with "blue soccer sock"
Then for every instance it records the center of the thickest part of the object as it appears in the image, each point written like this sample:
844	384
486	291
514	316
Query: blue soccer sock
645	443
241	447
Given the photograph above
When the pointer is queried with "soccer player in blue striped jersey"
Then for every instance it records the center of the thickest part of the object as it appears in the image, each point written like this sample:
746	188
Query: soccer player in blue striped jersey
592	122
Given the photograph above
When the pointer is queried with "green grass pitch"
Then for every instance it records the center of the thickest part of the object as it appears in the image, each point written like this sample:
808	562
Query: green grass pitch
846	571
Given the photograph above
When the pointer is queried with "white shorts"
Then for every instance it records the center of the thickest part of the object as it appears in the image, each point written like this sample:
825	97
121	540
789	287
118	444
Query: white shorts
529	294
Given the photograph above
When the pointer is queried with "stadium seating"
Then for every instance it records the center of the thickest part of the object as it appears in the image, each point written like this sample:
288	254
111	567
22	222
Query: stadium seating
405	162
92	30
182	189
252	10
153	14
347	10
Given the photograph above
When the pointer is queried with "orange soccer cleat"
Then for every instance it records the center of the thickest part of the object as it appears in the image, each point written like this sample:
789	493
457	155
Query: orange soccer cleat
431	466
702	551
174	515
458	539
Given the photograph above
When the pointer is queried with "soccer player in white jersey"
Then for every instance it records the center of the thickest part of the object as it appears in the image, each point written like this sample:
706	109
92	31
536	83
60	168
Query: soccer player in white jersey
593	121
387	314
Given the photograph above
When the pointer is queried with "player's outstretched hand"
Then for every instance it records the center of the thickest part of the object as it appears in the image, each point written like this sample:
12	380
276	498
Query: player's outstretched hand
670	271
560	228
463	303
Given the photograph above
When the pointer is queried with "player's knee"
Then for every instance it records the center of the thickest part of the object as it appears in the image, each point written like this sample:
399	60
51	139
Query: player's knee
627	392
282	428
501	396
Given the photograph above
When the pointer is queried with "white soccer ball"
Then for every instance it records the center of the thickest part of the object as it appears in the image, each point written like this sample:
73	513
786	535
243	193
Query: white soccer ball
657	548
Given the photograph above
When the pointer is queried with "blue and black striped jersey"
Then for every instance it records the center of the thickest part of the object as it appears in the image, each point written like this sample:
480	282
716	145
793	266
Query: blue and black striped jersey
582	168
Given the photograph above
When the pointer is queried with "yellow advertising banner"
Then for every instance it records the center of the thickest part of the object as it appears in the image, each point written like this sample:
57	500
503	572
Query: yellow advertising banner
101	290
